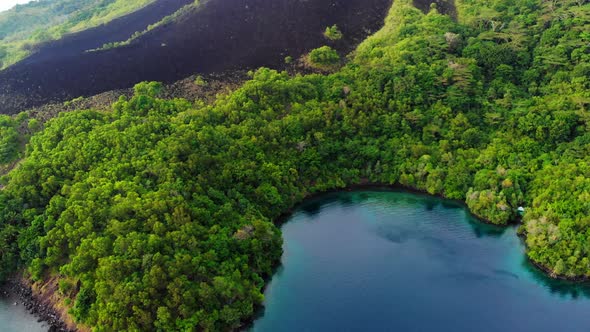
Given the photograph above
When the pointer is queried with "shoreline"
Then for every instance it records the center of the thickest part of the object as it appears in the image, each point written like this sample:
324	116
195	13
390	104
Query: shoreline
392	187
365	185
550	273
46	312
43	312
385	187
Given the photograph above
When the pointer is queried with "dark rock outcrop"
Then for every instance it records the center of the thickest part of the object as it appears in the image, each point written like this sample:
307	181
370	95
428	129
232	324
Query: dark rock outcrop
43	312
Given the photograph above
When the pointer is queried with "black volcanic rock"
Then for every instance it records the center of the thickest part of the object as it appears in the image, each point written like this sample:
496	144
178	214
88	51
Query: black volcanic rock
220	36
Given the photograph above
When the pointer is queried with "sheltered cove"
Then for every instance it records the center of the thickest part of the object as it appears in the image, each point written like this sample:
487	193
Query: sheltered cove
259	150
385	250
393	187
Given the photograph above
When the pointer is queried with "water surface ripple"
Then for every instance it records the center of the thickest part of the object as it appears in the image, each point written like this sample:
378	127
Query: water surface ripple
395	261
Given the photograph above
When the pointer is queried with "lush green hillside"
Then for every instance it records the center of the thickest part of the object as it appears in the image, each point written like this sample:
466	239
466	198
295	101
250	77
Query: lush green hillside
24	26
159	214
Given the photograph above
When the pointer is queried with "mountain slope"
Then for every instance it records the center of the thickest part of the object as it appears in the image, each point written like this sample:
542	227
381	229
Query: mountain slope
219	36
158	215
25	27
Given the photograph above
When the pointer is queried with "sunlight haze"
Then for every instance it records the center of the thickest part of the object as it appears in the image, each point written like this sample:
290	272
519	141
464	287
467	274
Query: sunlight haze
7	4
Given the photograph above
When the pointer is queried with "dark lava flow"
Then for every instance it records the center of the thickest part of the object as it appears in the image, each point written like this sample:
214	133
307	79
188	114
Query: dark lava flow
116	30
220	36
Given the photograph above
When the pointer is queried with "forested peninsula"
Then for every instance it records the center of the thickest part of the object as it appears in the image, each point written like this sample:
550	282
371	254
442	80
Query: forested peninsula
159	213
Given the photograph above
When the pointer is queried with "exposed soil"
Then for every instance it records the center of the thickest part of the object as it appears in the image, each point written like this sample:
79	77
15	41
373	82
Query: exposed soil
219	36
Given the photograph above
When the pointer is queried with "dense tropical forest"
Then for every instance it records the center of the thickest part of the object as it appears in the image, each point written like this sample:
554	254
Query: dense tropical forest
158	214
25	27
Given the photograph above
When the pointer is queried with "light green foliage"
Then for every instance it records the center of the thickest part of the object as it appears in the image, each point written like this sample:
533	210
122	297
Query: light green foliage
333	33
151	89
200	81
323	57
162	210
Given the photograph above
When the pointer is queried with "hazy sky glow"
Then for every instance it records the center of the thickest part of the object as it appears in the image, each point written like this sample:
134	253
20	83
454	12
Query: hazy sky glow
7	4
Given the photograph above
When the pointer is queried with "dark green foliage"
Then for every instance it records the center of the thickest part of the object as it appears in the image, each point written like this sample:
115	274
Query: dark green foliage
161	210
9	139
84	301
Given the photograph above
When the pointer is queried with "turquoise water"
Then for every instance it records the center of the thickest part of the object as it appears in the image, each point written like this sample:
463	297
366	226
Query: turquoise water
14	317
394	261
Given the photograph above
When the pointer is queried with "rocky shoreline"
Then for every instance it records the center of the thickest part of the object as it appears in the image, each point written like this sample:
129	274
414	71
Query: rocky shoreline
43	312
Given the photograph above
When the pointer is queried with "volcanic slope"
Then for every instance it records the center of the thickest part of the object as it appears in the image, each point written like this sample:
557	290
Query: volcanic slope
217	36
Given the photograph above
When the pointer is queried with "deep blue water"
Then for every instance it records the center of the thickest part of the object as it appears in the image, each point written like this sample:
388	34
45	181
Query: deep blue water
395	261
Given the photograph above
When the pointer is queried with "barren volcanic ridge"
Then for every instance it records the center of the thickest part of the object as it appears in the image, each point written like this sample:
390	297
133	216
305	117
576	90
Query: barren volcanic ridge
218	36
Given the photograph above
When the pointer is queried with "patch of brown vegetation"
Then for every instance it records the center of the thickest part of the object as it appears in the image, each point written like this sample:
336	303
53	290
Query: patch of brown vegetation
46	293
